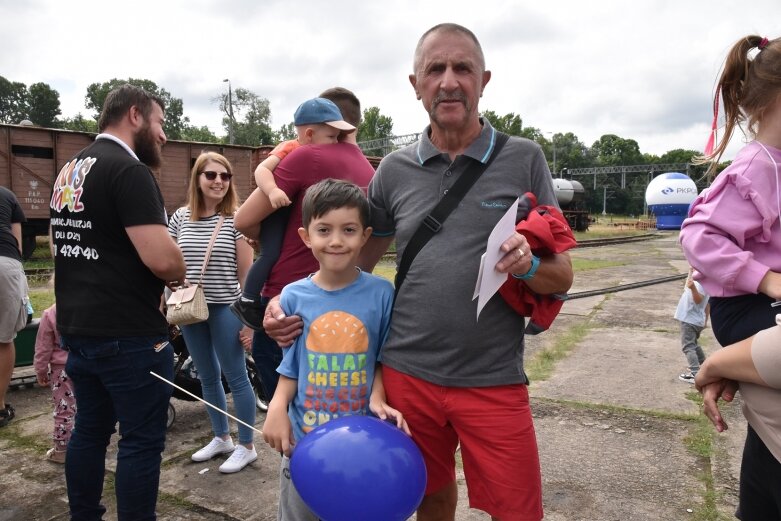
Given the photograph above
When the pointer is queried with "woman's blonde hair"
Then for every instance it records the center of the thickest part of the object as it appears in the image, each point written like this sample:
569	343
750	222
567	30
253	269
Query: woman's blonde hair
229	203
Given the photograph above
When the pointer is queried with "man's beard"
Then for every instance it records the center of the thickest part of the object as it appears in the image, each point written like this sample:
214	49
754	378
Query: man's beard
147	147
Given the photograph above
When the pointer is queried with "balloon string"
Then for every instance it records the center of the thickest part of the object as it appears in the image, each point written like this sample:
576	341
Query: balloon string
205	402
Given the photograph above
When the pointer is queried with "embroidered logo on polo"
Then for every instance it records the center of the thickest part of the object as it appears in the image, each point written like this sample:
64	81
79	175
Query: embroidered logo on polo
495	204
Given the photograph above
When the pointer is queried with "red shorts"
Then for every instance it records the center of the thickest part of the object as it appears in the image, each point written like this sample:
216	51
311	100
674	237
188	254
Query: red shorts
495	429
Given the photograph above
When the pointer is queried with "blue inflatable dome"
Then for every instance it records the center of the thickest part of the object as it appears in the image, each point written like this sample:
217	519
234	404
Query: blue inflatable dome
669	197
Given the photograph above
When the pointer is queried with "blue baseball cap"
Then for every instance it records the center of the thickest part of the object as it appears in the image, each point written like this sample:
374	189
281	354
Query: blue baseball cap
321	110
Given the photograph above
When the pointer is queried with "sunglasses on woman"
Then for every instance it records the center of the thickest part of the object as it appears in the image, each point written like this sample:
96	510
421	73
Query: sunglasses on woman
211	176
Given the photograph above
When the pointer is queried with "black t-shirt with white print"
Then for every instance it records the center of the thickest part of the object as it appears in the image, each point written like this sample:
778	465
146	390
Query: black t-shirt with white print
101	286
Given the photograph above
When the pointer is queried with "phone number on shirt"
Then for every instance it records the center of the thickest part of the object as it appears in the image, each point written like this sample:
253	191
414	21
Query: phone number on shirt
68	250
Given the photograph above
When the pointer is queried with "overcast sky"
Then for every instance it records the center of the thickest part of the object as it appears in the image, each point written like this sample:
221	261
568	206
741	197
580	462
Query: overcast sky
640	69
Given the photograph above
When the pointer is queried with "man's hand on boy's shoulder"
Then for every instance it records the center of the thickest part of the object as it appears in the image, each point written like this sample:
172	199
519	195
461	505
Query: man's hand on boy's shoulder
281	328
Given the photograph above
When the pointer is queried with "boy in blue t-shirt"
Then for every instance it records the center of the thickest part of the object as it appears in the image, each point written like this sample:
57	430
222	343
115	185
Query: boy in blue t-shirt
332	368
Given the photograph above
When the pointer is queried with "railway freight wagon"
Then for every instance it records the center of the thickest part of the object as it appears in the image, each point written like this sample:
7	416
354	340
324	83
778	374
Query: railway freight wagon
31	157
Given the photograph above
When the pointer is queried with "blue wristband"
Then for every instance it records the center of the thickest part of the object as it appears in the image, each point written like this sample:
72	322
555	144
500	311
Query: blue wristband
532	269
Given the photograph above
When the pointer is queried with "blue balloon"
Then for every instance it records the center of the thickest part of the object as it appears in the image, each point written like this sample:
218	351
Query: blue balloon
359	467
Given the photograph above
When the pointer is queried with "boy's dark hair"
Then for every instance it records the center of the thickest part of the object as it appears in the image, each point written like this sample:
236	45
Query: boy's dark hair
332	194
119	101
348	104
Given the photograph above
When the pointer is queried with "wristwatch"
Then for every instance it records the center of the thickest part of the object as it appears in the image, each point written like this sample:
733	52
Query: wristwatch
532	269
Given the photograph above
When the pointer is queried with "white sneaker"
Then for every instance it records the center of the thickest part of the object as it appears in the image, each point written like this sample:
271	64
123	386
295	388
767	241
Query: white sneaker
240	458
215	447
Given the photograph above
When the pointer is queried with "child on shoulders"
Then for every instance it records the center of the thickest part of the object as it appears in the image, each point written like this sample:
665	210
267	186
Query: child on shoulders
318	121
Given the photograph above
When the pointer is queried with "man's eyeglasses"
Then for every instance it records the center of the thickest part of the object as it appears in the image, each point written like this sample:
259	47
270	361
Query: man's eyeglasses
211	176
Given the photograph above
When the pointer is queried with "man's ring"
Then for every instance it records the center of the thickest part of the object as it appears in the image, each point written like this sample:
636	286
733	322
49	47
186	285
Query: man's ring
520	254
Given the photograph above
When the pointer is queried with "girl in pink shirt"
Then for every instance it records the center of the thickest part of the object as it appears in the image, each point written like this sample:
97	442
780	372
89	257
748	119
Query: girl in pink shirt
49	363
732	237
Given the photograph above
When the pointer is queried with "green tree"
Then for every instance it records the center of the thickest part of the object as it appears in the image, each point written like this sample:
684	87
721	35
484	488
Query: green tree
44	105
532	133
573	152
679	155
200	134
374	126
510	123
611	150
80	124
13	101
251	118
175	121
287	132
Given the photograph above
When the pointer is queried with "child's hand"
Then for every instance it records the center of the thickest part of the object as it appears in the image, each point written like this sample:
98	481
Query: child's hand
43	380
246	334
277	431
384	411
278	198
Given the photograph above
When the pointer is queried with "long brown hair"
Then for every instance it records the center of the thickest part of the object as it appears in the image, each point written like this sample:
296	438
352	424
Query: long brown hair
748	87
229	203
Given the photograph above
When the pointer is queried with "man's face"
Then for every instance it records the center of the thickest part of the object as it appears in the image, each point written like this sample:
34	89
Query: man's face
449	79
150	138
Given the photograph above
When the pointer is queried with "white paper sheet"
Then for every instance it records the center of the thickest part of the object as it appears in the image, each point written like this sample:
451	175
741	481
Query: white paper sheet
488	279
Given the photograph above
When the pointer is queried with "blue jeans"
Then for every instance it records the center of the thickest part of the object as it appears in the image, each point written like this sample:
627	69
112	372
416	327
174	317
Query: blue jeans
215	347
112	383
267	355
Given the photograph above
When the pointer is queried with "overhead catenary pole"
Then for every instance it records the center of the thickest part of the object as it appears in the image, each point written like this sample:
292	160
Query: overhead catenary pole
230	111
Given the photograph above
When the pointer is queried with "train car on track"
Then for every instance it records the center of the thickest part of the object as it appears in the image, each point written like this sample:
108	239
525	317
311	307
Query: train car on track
31	157
572	199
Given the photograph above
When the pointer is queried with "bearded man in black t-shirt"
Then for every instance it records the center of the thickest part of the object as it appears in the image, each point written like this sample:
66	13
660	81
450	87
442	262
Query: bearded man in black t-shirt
113	256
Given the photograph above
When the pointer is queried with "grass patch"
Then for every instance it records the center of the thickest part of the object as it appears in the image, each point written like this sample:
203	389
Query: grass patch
41	298
593	264
542	364
621	410
386	270
41	257
12	435
699	441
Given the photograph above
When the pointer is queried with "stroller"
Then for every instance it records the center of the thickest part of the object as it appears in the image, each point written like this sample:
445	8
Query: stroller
186	376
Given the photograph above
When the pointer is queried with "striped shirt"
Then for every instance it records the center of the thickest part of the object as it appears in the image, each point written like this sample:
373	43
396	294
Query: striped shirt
220	281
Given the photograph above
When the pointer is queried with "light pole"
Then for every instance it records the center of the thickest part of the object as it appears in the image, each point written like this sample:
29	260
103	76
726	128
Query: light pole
230	111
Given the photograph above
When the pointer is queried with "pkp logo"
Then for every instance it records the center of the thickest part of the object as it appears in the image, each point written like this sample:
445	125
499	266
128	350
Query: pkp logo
667	190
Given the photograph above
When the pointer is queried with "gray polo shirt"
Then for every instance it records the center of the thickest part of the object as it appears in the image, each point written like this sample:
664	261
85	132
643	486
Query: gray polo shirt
435	334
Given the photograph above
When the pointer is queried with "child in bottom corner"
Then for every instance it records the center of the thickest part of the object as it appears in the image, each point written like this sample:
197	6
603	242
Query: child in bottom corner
692	313
49	363
332	368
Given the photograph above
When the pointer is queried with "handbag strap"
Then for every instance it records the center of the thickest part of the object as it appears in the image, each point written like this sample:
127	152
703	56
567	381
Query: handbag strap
209	249
432	223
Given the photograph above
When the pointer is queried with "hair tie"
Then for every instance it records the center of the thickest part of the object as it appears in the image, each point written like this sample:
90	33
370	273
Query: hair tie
715	125
763	43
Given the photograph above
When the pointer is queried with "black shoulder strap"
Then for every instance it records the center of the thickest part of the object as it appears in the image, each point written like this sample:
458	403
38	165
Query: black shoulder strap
432	223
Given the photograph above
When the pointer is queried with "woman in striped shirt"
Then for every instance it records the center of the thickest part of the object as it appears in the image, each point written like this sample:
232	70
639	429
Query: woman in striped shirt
215	345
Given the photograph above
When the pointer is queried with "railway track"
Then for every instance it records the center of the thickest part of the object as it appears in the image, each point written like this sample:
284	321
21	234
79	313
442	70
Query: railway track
586	243
38	274
605	241
624	287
